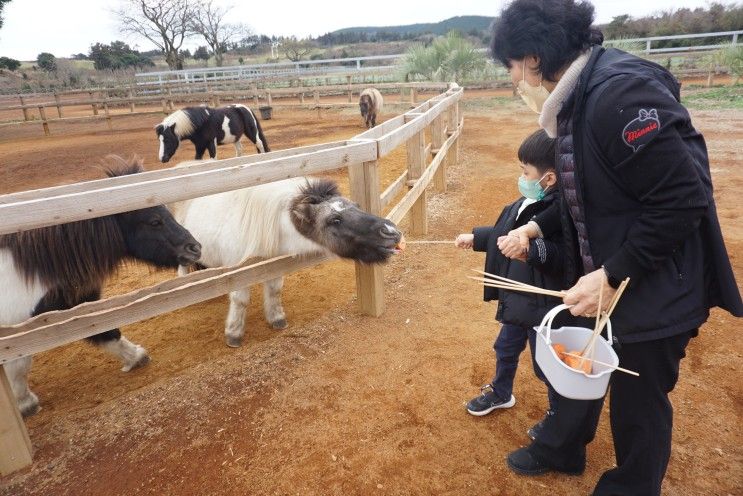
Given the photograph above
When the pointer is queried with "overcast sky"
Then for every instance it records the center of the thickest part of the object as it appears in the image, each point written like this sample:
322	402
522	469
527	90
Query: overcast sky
64	27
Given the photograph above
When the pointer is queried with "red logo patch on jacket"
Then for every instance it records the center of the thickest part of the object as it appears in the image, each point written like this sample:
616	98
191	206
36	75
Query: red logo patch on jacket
641	130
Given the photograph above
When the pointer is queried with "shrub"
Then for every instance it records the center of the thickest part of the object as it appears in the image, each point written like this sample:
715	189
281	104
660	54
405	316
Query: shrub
447	58
8	63
46	61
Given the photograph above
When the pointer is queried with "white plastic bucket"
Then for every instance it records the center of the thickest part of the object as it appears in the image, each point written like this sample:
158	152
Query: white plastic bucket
568	382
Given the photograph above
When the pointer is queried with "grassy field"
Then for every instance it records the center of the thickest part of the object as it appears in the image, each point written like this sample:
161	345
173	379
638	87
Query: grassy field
723	97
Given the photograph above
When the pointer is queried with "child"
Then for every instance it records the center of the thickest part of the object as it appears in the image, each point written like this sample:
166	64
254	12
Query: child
540	265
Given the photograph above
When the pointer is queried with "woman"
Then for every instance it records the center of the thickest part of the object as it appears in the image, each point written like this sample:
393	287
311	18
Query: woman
636	202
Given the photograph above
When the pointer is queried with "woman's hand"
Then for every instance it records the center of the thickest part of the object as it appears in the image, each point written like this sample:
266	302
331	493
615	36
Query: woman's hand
525	233
584	296
510	247
464	240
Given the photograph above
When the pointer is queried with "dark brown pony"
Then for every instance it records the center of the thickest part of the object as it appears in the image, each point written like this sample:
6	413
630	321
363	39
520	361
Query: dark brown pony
59	267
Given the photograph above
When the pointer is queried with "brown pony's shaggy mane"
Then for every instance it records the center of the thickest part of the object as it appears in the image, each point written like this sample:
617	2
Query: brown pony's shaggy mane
115	166
76	256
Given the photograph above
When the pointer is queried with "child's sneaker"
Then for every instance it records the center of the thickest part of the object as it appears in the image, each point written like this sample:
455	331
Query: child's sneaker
487	402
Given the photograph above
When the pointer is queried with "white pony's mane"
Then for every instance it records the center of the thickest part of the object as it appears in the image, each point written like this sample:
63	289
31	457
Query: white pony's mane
182	121
263	208
255	214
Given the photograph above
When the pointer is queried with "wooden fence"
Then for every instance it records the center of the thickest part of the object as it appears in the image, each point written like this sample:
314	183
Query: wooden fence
361	154
101	106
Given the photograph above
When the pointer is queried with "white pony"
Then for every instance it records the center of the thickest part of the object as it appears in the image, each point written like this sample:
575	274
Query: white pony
294	216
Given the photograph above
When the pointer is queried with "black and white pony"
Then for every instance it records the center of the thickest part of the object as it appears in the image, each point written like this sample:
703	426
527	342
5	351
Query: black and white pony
293	216
208	127
58	267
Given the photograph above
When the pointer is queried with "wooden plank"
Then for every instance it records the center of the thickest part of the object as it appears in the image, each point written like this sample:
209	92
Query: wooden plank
239	172
416	163
15	445
364	185
175	171
79	118
392	140
418	191
437	139
382	129
393	190
26	340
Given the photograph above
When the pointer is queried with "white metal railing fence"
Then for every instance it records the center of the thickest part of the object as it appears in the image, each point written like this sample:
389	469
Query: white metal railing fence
728	38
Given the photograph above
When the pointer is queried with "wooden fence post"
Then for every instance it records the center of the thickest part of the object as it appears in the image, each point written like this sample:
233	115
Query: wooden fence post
317	97
301	98
455	112
131	100
416	164
268	97
59	107
165	107
25	110
350	89
364	184
95	105
15	446
44	123
105	111
254	89
437	140
413	95
402	94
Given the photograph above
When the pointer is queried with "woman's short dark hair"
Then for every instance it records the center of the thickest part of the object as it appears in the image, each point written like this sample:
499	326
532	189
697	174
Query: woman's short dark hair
556	31
538	150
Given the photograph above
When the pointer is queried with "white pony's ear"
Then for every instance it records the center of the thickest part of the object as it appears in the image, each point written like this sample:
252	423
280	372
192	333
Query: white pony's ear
303	211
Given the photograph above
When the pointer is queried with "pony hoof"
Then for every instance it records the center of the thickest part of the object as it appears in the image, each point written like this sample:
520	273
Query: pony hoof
234	341
141	360
279	324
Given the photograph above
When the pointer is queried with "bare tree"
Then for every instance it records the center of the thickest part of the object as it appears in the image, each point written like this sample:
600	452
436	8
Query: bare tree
166	23
296	49
209	22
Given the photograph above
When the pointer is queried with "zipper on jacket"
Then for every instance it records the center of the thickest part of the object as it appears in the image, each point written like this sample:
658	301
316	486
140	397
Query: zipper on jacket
677	265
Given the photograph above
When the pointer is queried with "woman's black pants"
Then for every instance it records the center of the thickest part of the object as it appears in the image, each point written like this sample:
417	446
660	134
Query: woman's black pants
641	418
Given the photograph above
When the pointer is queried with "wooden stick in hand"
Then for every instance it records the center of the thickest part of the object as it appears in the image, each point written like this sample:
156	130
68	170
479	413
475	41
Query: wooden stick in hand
613	367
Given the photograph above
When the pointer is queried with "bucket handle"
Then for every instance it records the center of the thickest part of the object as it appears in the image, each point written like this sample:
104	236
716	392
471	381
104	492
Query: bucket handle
550	316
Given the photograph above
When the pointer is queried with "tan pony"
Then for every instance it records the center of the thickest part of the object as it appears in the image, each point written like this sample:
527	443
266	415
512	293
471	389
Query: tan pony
370	104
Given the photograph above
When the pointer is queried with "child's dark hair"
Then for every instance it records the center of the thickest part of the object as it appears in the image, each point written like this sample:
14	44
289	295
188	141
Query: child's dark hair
538	150
556	31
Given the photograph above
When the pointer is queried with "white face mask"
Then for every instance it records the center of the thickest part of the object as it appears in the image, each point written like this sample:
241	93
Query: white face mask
533	96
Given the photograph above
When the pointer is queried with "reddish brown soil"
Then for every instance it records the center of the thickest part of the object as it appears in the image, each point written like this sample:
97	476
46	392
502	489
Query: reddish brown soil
342	403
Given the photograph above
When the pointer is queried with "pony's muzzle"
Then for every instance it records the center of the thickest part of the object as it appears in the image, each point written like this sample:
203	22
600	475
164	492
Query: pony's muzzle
192	253
389	231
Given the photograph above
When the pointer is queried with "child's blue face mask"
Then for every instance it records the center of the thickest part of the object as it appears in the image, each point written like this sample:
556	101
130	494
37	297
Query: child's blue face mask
531	188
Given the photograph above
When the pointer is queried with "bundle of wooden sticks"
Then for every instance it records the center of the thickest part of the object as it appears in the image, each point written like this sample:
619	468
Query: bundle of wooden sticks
579	360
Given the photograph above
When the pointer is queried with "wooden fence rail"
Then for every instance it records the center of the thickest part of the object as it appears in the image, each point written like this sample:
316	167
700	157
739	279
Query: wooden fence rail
167	102
361	154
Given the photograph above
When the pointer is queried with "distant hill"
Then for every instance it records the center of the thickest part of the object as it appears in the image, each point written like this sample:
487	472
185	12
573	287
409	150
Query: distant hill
462	23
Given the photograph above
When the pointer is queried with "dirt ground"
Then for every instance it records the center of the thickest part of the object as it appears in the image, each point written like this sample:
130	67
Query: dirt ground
341	403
